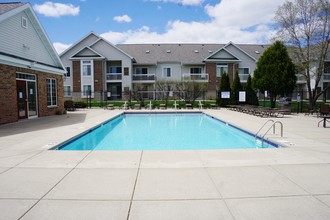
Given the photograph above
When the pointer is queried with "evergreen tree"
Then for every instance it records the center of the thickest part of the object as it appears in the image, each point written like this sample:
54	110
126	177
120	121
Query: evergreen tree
224	87
251	96
275	72
237	86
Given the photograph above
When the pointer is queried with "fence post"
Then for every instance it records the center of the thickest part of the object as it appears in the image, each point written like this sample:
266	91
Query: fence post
101	98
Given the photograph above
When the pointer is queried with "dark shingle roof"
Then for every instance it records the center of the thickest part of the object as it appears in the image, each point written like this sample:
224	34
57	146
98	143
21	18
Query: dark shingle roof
8	6
183	53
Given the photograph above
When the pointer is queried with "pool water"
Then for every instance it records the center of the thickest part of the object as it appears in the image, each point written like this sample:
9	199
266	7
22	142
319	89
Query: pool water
193	131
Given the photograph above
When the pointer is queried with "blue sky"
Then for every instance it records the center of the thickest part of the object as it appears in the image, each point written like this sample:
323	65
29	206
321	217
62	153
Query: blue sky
157	21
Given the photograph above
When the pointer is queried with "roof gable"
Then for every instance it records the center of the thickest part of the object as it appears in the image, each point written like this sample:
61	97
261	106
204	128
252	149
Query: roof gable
23	46
87	40
87	52
222	55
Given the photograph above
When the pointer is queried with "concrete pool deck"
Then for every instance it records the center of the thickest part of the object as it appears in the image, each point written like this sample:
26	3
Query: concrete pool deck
284	183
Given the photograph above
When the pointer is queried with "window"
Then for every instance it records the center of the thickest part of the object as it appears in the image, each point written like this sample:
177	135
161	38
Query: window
166	72
244	71
67	91
86	67
68	71
221	69
86	89
195	70
24	22
51	92
141	70
326	67
126	71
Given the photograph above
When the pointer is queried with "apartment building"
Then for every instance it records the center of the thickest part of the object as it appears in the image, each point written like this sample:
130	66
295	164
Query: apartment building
94	64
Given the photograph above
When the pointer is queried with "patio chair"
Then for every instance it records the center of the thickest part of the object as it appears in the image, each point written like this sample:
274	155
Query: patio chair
69	105
137	106
109	107
324	114
188	105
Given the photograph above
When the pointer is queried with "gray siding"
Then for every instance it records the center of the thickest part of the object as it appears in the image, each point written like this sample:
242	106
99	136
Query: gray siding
14	37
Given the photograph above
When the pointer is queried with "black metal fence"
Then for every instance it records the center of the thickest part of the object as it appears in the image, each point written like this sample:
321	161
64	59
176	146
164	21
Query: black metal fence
298	101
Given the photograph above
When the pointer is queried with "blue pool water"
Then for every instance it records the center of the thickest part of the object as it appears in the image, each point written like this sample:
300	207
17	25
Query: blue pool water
194	131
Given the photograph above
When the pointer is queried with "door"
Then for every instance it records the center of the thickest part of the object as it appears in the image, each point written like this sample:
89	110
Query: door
31	98
21	99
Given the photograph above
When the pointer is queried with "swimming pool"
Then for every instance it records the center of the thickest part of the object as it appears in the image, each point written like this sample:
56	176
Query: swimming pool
177	131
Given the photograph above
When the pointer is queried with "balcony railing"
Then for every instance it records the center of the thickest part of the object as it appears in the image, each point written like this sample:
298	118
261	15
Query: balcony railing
243	77
113	76
300	78
144	77
204	77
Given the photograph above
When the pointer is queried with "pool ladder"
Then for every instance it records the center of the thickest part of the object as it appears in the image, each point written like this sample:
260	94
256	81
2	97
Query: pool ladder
273	125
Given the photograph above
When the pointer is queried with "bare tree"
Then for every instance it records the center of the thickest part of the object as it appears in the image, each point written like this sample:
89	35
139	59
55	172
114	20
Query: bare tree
190	90
163	88
305	27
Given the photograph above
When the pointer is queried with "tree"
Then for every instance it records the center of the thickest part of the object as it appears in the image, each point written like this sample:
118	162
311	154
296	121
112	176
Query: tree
236	88
224	87
190	90
163	88
275	72
251	96
305	26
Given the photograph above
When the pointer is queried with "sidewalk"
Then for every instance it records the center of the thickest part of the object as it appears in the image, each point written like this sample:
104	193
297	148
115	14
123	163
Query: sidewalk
284	183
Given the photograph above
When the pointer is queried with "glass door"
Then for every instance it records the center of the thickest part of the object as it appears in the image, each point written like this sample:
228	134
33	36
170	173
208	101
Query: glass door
21	99
32	98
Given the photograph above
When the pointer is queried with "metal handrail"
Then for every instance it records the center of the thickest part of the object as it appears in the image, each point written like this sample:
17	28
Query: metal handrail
264	126
273	125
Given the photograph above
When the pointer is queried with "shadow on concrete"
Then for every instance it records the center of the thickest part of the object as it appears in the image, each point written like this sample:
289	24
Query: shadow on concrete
42	123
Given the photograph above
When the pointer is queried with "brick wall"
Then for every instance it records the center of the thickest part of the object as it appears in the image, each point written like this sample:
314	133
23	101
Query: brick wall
211	70
76	76
98	76
42	94
8	93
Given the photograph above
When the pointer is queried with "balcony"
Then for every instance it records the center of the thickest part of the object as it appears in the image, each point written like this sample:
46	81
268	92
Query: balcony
326	77
201	77
243	77
113	77
300	78
145	78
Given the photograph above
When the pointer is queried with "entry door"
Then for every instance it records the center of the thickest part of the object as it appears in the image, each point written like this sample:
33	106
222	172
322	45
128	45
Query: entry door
32	98
21	99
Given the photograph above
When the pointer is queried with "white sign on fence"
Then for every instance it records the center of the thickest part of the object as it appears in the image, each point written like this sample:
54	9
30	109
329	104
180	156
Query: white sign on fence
225	95
242	96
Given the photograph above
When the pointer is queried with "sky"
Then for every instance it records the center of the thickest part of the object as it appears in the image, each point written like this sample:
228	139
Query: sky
158	21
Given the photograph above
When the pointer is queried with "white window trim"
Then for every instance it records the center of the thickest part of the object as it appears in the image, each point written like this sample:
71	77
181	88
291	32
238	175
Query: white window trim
244	68
220	65
70	72
52	104
82	70
70	91
83	95
24	20
165	74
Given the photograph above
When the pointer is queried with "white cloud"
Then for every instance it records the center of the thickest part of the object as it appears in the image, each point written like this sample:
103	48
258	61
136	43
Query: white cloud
122	18
181	2
240	21
51	9
60	47
97	19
